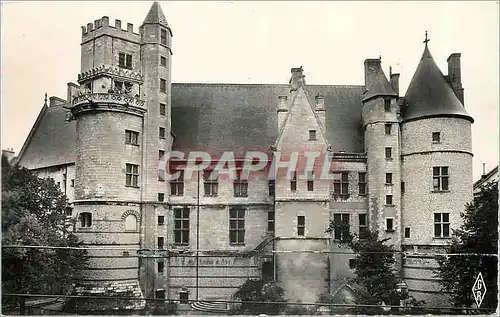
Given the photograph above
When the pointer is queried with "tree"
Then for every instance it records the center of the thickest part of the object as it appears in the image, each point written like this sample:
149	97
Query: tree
478	235
373	265
260	291
33	213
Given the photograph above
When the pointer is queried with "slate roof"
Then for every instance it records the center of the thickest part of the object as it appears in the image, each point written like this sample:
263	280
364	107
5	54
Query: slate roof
235	117
51	140
155	15
213	118
376	82
430	95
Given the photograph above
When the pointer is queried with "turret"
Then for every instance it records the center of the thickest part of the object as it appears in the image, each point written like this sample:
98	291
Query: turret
436	168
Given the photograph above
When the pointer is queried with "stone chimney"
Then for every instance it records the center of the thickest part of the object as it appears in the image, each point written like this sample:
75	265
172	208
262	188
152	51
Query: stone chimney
372	69
320	109
455	75
282	110
395	83
297	78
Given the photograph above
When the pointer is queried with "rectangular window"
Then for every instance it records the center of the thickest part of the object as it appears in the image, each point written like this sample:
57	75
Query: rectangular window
388	153
442	225
270	221
240	188
237	226
85	220
183	298
389	224
388	178
402	187
181	226
362	183
177	185
163	37
161	165
161	242
161	155
407	233
161	197
388	127
132	175
163	61
272	187
363	226
387	105
341	183
161	133
440	178
163	108
88	87
436	137
163	85
388	200
69	211
73	182
211	184
160	293
312	135
125	60
161	220
293	182
161	267
131	137
310	181
301	226
341	226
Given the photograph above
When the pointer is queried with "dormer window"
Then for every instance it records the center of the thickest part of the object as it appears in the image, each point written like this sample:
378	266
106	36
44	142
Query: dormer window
387	105
312	135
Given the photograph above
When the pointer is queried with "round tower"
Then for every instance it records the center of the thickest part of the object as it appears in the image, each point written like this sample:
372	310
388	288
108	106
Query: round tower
109	116
436	171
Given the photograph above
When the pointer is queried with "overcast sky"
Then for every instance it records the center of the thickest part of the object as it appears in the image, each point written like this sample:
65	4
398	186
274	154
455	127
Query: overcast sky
258	42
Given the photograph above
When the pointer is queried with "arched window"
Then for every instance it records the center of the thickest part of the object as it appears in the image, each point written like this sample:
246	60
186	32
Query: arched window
131	223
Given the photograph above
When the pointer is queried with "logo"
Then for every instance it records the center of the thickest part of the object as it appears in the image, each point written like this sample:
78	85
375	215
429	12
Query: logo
479	290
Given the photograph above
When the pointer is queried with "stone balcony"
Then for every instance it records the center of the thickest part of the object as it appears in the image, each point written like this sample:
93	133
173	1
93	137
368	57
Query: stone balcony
112	71
108	102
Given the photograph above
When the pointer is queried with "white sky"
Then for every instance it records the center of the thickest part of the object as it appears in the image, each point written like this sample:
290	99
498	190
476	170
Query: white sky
258	42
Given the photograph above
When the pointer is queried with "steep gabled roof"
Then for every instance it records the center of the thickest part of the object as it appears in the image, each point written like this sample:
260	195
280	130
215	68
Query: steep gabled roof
375	81
155	15
430	95
51	140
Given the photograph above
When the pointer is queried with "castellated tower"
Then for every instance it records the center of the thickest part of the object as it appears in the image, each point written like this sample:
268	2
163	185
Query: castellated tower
122	127
436	169
382	147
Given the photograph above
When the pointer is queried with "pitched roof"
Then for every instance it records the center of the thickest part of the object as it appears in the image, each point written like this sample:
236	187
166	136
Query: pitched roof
155	15
213	118
375	80
51	140
430	95
236	117
486	178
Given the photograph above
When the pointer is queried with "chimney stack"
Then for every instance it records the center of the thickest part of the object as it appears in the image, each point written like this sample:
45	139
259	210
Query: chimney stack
455	75
9	154
72	92
395	83
297	78
372	69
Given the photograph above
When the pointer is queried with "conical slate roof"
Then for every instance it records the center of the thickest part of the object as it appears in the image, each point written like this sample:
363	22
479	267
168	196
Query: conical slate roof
155	15
430	95
375	81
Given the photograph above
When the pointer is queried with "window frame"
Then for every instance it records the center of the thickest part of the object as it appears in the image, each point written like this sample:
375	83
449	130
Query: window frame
240	188
161	246
162	196
131	137
301	226
163	37
388	179
177	185
438	139
127	60
183	230
389	200
270	220
163	61
135	228
341	185
342	228
362	184
388	153
388	128
440	176
85	220
407	233
162	222
132	175
210	184
239	220
362	227
391	221
162	132
160	264
441	224
163	85
272	187
293	182
163	109
387	105
312	135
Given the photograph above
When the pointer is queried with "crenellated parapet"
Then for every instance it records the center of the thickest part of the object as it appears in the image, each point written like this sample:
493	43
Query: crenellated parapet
114	71
108	102
102	27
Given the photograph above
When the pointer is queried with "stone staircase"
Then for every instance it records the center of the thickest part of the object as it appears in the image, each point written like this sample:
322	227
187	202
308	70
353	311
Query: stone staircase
209	307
